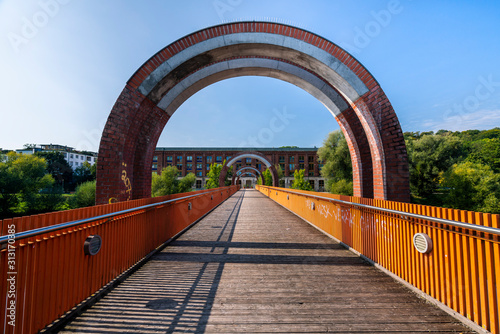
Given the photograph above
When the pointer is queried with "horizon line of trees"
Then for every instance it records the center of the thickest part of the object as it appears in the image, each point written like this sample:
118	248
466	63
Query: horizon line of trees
459	170
40	182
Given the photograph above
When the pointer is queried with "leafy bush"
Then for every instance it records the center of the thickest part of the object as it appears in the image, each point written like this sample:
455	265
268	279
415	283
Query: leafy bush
84	195
472	186
299	182
167	183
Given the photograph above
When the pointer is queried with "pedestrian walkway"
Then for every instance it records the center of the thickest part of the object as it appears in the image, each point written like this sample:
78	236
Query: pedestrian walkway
251	266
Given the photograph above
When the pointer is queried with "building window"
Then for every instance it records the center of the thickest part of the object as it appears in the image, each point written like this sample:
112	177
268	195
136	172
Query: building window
169	158
179	158
249	160
282	166
310	158
199	174
189	158
208	167
291	167
81	157
209	160
228	158
321	183
199	158
179	167
89	159
155	158
71	156
311	182
282	158
238	166
189	166
311	173
218	158
292	159
301	158
301	166
198	184
76	156
311	167
258	166
199	166
169	165
155	166
320	166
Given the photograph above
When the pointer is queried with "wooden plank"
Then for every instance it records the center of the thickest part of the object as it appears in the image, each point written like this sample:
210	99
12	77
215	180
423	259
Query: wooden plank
252	266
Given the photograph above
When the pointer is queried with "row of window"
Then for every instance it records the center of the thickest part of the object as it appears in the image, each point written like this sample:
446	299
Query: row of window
80	157
291	159
189	158
199	167
219	159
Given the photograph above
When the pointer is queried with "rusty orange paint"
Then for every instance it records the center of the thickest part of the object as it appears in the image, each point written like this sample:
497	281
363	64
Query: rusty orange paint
54	274
462	271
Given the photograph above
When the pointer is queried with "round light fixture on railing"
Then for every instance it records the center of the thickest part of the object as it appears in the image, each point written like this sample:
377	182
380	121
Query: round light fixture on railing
422	242
92	245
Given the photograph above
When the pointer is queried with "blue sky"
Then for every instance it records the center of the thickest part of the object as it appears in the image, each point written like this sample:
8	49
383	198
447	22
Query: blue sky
63	63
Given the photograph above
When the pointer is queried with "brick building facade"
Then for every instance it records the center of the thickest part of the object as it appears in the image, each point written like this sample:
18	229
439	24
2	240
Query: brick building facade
198	160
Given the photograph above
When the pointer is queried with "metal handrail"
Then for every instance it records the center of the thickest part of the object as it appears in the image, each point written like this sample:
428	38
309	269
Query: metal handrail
32	233
470	226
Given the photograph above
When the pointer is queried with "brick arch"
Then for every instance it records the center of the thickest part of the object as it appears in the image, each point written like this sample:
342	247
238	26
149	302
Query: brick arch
245	173
237	175
255	155
171	76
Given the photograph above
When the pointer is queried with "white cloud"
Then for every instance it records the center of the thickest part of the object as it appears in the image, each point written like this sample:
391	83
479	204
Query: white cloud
480	120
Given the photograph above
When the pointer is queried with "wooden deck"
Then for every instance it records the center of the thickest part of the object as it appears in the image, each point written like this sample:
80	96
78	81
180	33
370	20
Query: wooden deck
253	267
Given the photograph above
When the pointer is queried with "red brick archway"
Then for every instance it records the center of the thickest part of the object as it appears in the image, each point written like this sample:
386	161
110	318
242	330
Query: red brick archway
175	73
253	155
239	173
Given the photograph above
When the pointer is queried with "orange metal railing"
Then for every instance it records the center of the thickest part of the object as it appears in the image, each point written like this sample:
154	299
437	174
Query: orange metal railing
463	269
45	275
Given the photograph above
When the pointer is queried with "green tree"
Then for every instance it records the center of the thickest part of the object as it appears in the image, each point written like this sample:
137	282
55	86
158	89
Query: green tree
84	195
429	156
472	186
281	176
268	177
23	183
213	176
214	173
299	182
186	183
337	166
59	168
84	173
487	152
168	182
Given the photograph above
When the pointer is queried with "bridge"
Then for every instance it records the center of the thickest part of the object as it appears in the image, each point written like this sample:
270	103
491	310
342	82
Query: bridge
268	260
265	260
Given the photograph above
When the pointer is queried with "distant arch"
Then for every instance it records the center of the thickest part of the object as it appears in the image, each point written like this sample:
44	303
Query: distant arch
254	155
320	67
252	173
240	172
